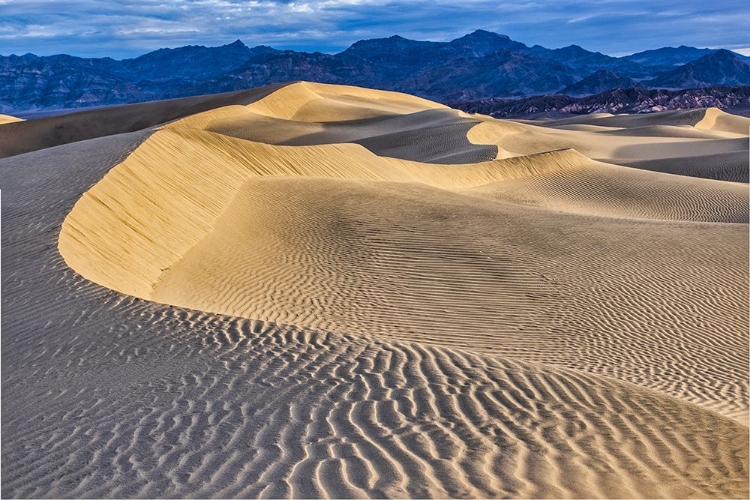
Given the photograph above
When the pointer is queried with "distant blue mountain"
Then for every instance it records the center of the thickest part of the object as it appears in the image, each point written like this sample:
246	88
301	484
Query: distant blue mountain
668	57
587	62
717	68
193	61
477	66
600	81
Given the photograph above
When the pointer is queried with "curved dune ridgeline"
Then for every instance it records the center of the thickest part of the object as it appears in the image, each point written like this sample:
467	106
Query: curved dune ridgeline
24	136
109	235
111	228
328	291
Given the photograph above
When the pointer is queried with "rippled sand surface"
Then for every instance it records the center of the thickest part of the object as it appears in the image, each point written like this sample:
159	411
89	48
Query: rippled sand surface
327	291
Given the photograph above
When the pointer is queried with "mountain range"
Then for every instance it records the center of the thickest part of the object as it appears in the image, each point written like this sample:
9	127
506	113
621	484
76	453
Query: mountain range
481	65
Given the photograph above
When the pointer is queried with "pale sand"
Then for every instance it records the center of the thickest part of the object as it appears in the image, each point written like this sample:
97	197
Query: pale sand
31	135
538	325
9	119
662	142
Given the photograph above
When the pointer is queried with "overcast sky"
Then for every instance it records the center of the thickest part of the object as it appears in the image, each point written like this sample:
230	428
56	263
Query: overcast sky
128	28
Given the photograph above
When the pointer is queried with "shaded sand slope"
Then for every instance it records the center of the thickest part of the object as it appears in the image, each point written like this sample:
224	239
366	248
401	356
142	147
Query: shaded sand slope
107	395
386	123
724	166
435	136
31	135
705	118
704	143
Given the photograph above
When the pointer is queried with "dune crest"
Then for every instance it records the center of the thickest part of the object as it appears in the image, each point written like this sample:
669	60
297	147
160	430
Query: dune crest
387	123
341	103
107	237
716	119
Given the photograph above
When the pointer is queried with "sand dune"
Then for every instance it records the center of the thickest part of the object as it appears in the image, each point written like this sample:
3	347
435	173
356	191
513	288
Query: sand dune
732	166
108	236
656	141
602	189
31	135
326	291
8	119
706	118
717	120
324	103
398	126
608	146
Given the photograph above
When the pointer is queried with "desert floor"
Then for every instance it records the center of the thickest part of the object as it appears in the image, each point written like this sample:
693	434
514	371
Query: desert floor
311	290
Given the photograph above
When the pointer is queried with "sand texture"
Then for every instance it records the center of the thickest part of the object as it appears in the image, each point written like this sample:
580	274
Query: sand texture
31	135
322	291
8	119
705	143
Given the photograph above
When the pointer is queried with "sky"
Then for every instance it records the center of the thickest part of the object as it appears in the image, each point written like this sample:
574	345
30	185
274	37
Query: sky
128	28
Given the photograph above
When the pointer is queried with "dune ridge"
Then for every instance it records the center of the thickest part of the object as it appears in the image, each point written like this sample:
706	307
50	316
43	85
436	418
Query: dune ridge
120	208
715	119
41	133
706	143
292	102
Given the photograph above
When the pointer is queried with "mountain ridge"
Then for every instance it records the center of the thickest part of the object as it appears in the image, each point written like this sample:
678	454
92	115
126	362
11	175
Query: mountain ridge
476	66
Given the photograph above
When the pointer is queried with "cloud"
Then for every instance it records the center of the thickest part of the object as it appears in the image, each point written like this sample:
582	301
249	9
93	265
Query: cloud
128	28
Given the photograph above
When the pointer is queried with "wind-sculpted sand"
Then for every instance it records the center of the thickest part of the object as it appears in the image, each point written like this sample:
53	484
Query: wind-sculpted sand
326	291
705	143
8	119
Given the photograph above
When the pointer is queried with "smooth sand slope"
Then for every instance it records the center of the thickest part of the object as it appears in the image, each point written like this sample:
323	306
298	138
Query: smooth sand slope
319	311
31	135
705	143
